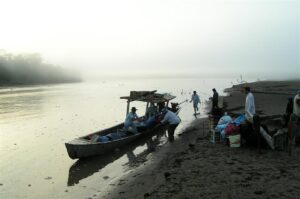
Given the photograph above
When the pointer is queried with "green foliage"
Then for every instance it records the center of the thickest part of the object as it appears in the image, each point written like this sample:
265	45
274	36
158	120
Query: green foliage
30	69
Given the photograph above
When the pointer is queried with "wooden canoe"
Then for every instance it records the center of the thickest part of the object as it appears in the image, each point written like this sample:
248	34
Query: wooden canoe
83	147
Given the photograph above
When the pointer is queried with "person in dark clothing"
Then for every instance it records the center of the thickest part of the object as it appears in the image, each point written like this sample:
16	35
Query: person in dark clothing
288	111
215	100
160	105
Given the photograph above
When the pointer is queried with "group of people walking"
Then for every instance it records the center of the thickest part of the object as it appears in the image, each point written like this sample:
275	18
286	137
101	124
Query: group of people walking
196	101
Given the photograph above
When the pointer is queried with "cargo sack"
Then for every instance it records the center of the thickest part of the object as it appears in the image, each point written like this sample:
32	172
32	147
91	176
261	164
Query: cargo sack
232	129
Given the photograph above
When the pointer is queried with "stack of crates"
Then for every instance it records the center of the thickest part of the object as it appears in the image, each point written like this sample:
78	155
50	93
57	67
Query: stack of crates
280	140
214	136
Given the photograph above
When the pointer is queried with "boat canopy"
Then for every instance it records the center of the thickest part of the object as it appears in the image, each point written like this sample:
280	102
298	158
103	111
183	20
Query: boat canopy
148	96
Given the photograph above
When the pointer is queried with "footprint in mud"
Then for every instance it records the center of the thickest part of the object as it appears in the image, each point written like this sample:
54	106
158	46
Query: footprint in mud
249	178
245	185
276	177
259	192
177	163
237	172
282	171
183	153
167	175
229	162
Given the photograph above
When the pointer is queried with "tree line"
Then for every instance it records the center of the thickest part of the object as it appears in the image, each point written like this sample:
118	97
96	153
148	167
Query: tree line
31	69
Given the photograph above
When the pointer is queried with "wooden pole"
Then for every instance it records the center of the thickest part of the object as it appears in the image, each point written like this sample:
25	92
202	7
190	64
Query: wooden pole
128	106
147	106
256	127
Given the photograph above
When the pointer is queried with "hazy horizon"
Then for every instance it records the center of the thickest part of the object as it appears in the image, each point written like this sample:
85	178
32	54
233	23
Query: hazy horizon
217	38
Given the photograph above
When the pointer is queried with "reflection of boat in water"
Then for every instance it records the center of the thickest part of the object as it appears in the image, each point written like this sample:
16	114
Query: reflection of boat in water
86	167
84	147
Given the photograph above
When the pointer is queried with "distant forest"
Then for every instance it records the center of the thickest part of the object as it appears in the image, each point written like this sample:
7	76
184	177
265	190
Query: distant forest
30	69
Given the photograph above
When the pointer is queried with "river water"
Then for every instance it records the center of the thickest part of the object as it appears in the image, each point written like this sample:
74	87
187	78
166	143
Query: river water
36	121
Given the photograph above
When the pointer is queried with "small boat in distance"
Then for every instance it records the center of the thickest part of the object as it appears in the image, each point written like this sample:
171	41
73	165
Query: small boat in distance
85	146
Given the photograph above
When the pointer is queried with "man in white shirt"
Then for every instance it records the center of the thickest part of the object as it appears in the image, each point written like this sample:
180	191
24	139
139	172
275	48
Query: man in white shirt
173	121
294	123
196	100
249	105
296	108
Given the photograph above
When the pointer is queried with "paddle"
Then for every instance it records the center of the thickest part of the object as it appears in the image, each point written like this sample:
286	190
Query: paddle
183	102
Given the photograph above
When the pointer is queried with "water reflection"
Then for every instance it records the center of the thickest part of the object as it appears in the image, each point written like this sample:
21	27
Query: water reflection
135	160
86	167
20	105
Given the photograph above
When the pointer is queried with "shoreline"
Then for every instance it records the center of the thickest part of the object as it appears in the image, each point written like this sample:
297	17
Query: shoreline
21	85
192	167
141	181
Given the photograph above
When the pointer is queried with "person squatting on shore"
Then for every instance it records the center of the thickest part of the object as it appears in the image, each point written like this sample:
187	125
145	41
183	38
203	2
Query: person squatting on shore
173	121
249	105
196	100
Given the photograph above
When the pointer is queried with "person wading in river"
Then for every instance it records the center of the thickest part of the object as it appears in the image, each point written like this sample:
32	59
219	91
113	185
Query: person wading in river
196	100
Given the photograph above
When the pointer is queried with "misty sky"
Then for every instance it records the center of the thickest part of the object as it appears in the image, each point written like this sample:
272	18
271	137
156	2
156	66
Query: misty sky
198	37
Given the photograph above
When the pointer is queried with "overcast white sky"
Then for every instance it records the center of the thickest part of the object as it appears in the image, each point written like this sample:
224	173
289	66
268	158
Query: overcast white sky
199	37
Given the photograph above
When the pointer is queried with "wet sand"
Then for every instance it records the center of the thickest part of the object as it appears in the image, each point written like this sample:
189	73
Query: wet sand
192	167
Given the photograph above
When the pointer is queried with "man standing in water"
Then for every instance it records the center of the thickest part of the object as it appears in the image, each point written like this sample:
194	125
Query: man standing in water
173	121
195	99
249	105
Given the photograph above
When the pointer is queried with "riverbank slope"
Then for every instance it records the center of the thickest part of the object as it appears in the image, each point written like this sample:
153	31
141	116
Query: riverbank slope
192	167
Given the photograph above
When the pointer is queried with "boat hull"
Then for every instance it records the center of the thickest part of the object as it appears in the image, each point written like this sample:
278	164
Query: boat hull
81	148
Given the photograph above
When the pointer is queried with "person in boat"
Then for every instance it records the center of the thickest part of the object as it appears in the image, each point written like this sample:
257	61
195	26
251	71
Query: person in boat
151	114
174	107
196	100
173	120
161	106
249	105
215	100
129	121
152	111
